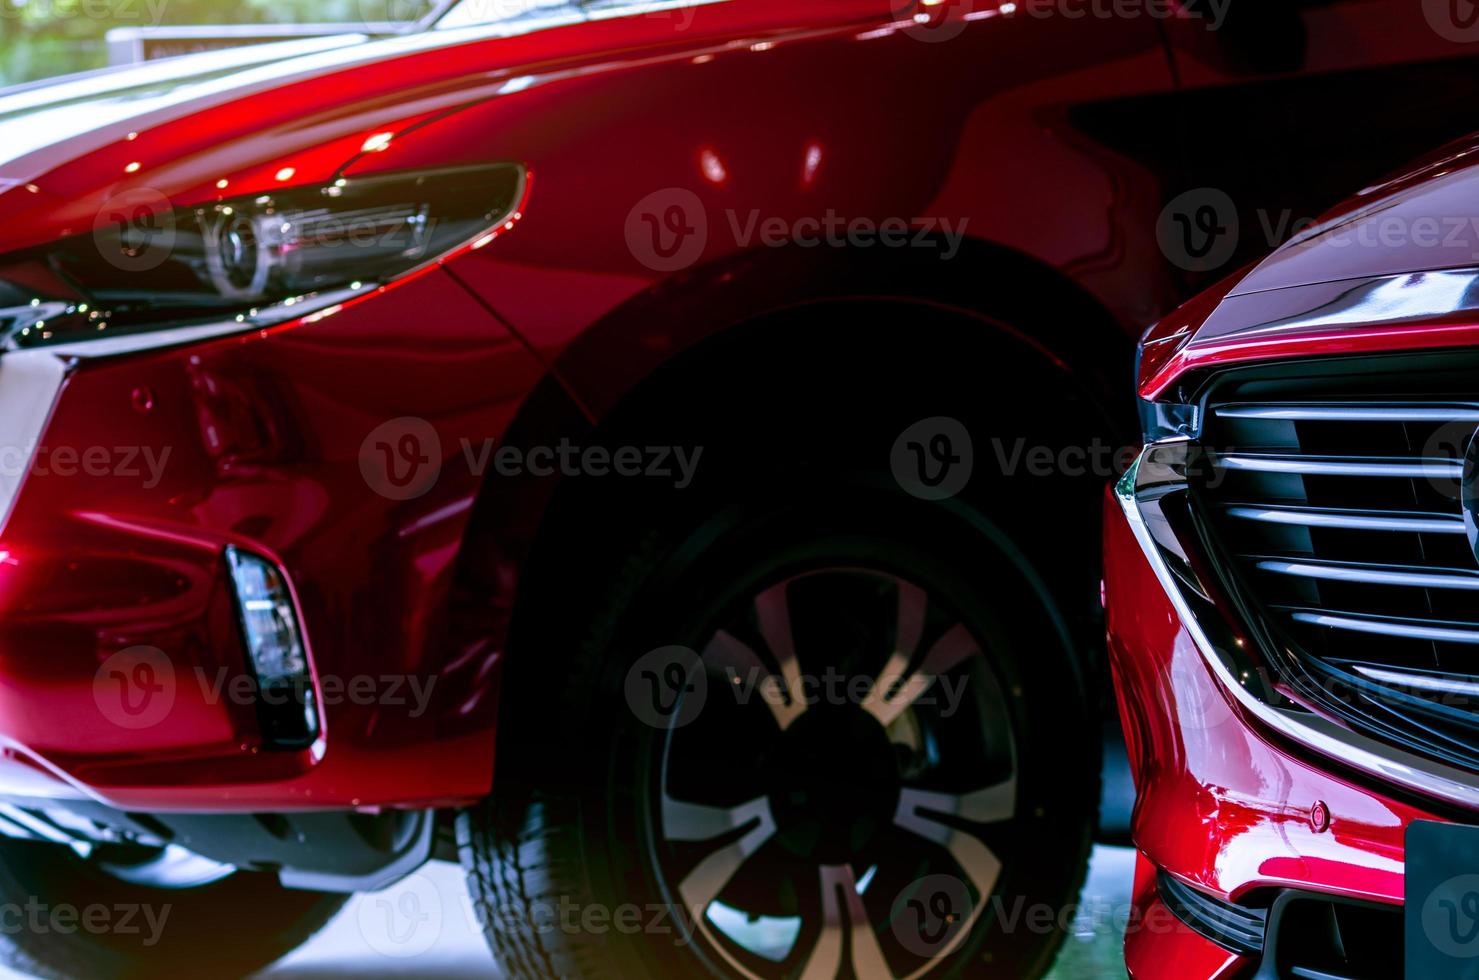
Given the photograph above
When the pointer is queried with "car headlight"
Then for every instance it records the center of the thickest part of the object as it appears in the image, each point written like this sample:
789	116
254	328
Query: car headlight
258	257
1167	416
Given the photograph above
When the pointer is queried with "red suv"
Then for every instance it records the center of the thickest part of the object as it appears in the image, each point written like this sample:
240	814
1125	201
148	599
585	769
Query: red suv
650	450
1291	565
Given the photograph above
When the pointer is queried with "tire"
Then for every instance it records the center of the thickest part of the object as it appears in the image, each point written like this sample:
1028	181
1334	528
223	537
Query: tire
920	848
230	927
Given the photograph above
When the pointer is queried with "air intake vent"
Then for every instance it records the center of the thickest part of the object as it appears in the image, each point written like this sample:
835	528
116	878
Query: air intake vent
1335	499
1234	927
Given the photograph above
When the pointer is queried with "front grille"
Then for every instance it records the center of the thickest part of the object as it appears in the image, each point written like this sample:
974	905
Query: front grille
1334	501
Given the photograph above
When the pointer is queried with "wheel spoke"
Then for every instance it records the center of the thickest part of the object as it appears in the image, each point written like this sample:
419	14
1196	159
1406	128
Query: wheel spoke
695	822
841	901
893	693
991	804
773	609
742	667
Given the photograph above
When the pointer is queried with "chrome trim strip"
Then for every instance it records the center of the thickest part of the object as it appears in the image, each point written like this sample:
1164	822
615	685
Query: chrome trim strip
1382	627
1433	469
1422	682
1370	576
1349	413
145	339
1352	748
1351	520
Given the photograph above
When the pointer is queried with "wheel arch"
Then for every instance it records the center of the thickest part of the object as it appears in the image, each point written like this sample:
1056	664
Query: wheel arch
989	305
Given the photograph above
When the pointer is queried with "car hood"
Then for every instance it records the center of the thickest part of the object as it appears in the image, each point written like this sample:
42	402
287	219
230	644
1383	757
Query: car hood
55	112
1395	267
243	121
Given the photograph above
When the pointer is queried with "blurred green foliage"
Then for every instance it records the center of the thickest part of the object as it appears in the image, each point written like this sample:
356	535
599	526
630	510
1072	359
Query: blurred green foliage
41	38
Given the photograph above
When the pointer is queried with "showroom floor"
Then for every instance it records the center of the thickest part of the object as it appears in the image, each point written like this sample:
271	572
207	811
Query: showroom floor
424	928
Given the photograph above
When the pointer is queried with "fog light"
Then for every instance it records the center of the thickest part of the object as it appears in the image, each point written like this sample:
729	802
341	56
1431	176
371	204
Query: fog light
286	707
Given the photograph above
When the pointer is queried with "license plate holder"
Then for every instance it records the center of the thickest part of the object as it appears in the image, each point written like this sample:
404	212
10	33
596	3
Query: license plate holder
1442	900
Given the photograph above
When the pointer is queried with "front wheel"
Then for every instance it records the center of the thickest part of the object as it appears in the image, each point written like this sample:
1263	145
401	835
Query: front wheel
834	741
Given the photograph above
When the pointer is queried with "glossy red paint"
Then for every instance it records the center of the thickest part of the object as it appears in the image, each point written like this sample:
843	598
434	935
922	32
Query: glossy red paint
1220	803
1390	269
1041	131
1157	944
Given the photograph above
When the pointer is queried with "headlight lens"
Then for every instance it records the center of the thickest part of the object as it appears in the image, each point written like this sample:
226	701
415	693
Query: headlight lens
262	256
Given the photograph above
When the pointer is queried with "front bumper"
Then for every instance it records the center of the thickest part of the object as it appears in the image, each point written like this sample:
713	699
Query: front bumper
139	469
1236	797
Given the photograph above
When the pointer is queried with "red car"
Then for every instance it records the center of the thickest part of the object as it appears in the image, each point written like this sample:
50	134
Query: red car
651	451
1291	563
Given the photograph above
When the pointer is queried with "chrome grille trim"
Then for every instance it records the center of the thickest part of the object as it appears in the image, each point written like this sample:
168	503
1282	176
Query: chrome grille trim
1372	574
1334	509
1429	682
1423	469
1408	521
1389	627
1419	772
1317	412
